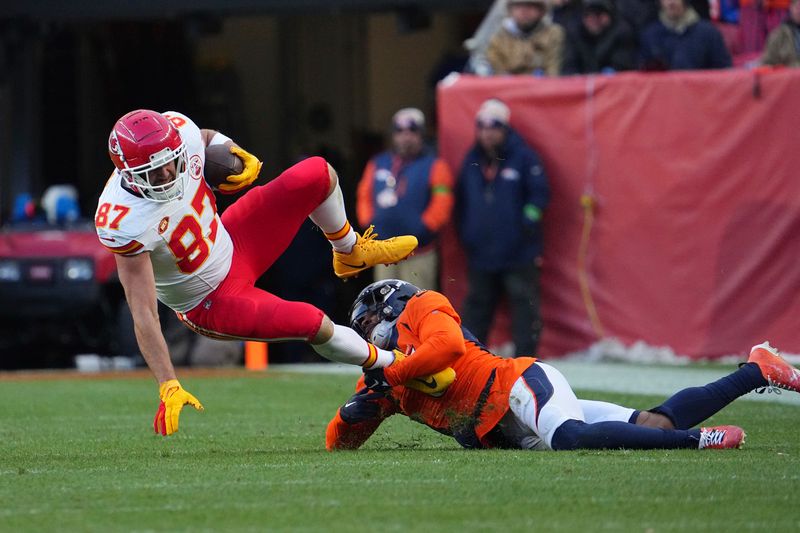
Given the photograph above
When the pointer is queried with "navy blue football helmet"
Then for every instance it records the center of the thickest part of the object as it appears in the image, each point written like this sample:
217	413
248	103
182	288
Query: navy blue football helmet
376	308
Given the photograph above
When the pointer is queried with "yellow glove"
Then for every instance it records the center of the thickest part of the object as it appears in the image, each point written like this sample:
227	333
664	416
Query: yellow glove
434	384
173	398
237	182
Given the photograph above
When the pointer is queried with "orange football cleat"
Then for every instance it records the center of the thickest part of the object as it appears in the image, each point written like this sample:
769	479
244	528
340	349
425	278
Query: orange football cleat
721	438
777	372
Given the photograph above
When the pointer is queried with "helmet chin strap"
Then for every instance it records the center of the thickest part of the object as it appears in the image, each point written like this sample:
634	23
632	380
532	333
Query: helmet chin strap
131	187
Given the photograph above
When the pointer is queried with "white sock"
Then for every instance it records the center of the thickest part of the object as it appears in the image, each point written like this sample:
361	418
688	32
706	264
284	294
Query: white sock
346	346
331	218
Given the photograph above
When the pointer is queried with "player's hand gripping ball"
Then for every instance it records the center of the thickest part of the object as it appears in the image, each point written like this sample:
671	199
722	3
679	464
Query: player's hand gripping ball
230	169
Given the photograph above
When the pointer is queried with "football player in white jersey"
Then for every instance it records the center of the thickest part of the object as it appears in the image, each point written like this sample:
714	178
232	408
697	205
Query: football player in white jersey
159	216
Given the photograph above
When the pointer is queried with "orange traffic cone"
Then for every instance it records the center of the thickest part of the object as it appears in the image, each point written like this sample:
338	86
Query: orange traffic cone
255	355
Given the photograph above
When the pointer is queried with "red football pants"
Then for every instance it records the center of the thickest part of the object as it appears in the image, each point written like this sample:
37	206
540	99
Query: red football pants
262	224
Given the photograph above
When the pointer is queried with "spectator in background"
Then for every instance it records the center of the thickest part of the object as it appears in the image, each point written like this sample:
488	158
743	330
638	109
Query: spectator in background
680	40
639	14
527	41
565	12
599	41
501	193
783	43
757	18
407	190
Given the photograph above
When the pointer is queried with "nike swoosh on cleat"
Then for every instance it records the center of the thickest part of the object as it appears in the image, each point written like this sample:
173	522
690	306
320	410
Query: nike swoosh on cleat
430	384
348	404
362	265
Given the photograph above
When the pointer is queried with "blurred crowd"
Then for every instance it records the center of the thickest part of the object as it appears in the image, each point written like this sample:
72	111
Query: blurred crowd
562	37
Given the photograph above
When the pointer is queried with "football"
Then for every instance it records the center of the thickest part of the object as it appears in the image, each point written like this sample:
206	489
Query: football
220	163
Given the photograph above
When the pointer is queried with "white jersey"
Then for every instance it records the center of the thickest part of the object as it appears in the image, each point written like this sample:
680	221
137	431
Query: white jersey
190	249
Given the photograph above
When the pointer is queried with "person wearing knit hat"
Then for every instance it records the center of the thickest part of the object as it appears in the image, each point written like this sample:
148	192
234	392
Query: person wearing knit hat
409	118
501	194
599	41
527	42
407	188
493	111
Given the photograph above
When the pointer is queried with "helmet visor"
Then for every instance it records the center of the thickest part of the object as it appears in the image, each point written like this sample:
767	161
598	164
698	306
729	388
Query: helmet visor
364	319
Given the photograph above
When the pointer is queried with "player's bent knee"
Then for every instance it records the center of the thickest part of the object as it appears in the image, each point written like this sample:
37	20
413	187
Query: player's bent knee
567	435
654	420
333	177
325	331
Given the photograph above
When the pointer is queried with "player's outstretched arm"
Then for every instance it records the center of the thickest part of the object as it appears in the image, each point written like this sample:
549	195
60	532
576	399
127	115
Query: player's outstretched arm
357	420
136	276
442	345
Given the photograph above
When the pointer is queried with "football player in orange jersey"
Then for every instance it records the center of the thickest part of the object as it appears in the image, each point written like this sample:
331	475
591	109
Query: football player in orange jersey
159	217
517	403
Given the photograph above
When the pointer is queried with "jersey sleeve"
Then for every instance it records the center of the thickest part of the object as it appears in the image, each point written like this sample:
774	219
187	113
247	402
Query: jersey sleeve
190	133
365	209
432	319
188	129
437	214
343	436
119	229
132	247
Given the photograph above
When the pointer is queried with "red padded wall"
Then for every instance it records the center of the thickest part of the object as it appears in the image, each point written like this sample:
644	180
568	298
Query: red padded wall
695	178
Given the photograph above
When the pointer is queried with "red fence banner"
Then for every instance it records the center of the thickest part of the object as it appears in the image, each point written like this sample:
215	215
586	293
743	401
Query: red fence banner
675	209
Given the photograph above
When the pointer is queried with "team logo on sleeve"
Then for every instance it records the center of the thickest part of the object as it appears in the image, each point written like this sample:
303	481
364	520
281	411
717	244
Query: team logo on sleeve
195	167
163	225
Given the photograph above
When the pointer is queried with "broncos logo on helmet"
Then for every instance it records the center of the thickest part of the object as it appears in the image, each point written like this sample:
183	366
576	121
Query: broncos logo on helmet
376	308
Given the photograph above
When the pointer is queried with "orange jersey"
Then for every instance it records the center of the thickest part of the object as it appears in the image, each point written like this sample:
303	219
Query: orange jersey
430	333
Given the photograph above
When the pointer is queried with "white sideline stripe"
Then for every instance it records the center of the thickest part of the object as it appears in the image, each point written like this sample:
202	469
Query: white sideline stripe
603	377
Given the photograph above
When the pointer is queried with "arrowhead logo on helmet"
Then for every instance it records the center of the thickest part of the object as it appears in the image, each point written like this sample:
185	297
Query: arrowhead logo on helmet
113	144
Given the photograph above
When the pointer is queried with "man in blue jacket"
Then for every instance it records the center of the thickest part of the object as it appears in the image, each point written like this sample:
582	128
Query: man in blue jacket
408	190
680	40
500	197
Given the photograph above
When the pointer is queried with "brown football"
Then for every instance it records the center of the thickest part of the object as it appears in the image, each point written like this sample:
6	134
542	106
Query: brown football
220	163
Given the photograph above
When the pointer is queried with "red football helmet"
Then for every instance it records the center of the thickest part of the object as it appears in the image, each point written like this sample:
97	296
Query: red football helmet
143	141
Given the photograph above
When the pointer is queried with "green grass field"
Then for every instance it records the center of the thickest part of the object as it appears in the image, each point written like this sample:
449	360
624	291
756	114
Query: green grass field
80	455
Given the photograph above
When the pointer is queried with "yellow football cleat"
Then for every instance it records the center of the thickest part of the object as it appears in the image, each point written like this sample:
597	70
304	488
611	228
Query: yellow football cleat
368	251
